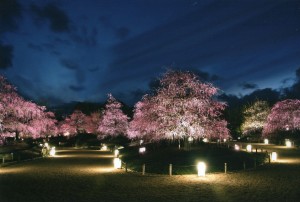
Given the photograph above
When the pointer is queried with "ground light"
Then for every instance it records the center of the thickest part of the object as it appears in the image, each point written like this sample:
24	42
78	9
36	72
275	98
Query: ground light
142	150
104	147
273	156
116	152
117	163
288	143
266	141
52	151
249	148
201	169
236	147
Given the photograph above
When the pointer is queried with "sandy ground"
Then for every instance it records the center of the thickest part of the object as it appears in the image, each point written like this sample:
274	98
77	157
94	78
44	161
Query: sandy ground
85	175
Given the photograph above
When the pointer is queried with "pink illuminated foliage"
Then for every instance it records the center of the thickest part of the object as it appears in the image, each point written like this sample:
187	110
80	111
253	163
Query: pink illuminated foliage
182	107
92	122
21	118
73	124
284	116
113	121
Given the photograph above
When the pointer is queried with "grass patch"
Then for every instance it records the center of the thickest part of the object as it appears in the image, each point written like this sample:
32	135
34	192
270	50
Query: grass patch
157	160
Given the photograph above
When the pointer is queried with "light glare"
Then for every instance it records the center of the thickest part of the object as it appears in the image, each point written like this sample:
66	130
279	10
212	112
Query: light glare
266	141
236	147
142	150
117	153
288	143
273	156
117	163
52	151
201	169
249	148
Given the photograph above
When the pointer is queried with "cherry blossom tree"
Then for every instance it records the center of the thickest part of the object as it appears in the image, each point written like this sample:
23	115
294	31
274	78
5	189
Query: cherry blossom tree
255	117
73	124
21	118
182	107
66	128
92	122
284	117
113	121
78	120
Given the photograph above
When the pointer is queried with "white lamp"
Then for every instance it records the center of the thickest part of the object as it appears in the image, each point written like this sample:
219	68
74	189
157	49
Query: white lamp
201	169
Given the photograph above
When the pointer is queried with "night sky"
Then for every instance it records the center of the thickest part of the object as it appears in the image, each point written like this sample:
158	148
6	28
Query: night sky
58	51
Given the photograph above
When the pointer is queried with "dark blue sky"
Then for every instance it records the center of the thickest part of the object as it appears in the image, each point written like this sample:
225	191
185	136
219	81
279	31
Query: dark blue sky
60	50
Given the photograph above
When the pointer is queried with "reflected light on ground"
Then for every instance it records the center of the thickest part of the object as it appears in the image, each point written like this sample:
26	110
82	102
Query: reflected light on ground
10	170
101	169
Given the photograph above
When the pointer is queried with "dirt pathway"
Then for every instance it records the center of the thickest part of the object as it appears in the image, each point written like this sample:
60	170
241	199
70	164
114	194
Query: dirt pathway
87	175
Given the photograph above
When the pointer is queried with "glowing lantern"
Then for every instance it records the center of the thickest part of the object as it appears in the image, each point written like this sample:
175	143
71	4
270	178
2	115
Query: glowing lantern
236	147
249	148
288	143
225	140
52	151
117	163
104	148
66	133
273	156
190	139
205	140
142	150
201	169
117	153
266	141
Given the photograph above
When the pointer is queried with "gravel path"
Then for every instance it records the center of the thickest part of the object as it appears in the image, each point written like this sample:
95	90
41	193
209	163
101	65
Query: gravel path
88	175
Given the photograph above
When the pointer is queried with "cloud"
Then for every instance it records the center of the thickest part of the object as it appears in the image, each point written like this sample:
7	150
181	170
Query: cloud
122	32
76	88
35	47
298	73
75	67
95	69
105	21
59	21
6	56
80	76
85	36
10	12
246	86
132	97
69	64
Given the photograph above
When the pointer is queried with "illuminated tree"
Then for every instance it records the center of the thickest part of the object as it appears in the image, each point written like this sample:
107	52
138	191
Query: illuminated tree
182	107
21	118
92	122
66	128
255	117
113	121
78	120
284	116
73	124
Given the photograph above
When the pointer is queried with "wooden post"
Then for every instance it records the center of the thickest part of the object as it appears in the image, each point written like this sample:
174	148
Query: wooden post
269	156
225	168
143	169
244	165
126	167
3	160
170	169
254	163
